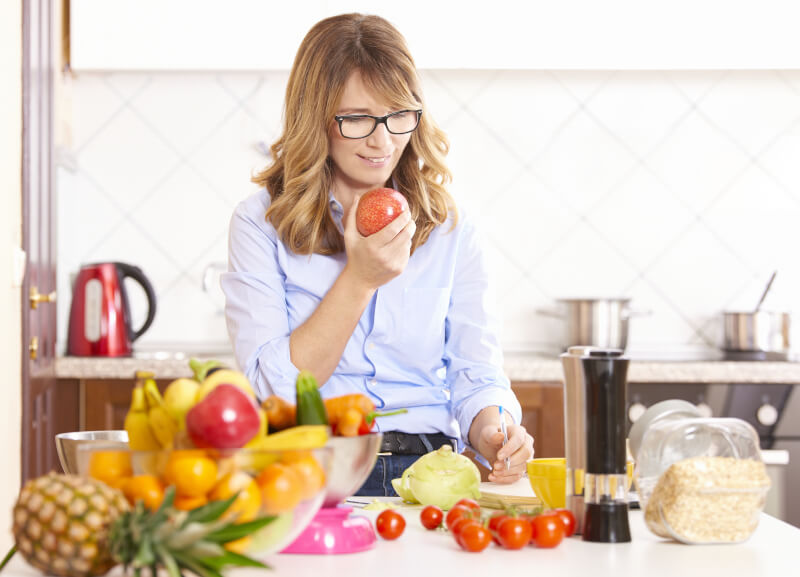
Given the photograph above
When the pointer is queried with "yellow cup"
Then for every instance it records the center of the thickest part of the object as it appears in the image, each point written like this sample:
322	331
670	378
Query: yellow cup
548	479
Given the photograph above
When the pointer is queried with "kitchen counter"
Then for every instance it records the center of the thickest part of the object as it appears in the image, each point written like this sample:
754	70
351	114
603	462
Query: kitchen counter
518	367
770	551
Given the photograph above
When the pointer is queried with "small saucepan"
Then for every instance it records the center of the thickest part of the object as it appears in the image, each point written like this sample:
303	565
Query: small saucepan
601	322
757	331
760	331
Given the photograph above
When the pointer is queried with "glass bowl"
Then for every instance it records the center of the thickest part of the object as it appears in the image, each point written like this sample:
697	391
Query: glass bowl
288	485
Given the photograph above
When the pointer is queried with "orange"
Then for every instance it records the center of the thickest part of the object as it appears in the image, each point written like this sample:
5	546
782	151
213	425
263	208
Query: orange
110	467
310	473
148	488
192	473
188	503
247	503
281	488
239	546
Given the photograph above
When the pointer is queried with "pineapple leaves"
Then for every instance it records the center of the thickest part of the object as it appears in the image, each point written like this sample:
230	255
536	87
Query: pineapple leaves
196	567
169	562
211	511
8	556
182	541
231	532
233	560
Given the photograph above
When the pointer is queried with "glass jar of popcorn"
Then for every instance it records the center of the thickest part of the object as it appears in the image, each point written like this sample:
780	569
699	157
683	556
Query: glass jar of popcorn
701	480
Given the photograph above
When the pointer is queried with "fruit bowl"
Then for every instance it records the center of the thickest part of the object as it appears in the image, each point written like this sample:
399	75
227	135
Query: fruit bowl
333	529
288	485
67	445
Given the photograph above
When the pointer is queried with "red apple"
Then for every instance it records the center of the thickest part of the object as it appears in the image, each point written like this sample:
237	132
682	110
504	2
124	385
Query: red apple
227	418
377	208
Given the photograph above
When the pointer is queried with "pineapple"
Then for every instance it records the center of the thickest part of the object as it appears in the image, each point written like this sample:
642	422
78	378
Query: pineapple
62	524
78	527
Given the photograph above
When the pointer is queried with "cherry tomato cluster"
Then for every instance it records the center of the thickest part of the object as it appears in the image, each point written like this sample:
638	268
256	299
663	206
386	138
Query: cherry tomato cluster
509	530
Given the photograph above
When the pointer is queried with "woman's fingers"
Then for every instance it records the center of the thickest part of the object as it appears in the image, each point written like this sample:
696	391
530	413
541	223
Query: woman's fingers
518	450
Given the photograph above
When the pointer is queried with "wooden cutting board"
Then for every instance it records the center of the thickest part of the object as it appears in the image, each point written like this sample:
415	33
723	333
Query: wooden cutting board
517	494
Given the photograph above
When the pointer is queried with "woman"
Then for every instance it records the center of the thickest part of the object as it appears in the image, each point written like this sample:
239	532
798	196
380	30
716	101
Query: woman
399	315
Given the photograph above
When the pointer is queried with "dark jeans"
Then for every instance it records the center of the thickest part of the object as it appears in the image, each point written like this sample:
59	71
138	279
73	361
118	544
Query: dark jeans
387	467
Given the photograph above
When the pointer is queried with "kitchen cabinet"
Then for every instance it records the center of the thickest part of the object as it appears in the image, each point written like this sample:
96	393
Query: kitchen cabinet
105	402
505	34
543	415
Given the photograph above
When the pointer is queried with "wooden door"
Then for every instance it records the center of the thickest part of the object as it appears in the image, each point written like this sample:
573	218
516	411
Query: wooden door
46	408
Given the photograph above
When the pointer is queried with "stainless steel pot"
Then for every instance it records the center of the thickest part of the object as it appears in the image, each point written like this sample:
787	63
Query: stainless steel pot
756	331
595	322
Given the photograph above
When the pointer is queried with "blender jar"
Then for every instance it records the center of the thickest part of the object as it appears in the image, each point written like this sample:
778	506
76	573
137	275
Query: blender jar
701	480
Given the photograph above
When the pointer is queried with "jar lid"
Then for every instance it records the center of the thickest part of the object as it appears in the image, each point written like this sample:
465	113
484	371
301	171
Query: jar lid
669	409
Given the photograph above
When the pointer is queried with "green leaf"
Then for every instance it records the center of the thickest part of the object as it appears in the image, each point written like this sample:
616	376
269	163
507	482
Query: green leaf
145	556
236	531
210	512
169	562
231	559
196	567
158	518
8	556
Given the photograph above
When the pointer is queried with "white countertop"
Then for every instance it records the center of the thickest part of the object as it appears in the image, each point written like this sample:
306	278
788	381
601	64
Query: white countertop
771	551
518	367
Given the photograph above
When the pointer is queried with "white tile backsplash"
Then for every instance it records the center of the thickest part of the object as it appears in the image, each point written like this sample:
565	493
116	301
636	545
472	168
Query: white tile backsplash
680	190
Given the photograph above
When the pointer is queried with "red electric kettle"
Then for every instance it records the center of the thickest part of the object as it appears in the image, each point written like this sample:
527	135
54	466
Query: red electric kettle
100	317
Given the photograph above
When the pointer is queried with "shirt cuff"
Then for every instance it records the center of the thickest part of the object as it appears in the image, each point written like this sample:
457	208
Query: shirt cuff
487	397
272	372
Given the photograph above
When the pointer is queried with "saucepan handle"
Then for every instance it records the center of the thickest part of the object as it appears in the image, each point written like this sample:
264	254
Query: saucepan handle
629	313
550	313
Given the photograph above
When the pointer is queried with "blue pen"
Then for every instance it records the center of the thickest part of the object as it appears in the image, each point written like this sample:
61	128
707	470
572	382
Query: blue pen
505	435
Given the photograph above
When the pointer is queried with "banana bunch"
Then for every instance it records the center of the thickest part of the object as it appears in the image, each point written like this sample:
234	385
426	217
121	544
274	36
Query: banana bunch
149	425
137	422
157	422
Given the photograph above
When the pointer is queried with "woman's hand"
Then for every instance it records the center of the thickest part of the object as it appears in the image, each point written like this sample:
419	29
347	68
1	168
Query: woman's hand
374	260
519	450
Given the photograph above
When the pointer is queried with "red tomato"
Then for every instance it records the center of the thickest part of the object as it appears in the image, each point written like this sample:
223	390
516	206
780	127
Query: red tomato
514	532
469	503
455	514
548	530
474	537
459	525
431	517
390	524
568	519
494	521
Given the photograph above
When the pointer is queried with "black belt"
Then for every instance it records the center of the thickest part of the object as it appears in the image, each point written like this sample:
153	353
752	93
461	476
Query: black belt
397	443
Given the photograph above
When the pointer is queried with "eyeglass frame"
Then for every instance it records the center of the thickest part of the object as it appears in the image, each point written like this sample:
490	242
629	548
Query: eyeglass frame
377	120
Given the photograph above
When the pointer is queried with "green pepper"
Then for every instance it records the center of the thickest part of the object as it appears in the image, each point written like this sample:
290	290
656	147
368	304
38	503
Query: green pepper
310	407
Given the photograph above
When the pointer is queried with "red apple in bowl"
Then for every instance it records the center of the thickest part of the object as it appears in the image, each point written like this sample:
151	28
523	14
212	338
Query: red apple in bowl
227	418
377	208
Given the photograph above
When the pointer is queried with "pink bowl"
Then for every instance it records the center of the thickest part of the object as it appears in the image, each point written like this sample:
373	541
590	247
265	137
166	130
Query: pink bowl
333	531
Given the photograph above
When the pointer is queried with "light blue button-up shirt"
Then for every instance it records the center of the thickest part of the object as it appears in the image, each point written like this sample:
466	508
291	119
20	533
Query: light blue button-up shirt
427	341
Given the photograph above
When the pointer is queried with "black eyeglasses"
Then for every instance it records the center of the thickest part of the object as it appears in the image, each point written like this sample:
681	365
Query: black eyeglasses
362	125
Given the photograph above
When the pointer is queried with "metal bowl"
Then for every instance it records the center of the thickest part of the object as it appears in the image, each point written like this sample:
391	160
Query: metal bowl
353	460
67	445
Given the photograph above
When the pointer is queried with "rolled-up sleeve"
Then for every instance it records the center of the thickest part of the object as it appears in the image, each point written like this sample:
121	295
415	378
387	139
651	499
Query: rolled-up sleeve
255	304
473	354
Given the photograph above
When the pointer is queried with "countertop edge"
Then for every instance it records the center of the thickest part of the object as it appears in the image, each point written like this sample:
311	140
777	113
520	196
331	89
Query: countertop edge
517	368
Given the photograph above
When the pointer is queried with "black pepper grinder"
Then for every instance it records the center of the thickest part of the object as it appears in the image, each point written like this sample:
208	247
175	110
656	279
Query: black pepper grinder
605	489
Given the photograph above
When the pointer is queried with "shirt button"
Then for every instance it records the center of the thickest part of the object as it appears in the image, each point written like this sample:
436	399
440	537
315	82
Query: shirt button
373	382
371	345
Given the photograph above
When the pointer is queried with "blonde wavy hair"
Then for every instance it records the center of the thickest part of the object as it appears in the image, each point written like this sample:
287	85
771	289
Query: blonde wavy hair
301	174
